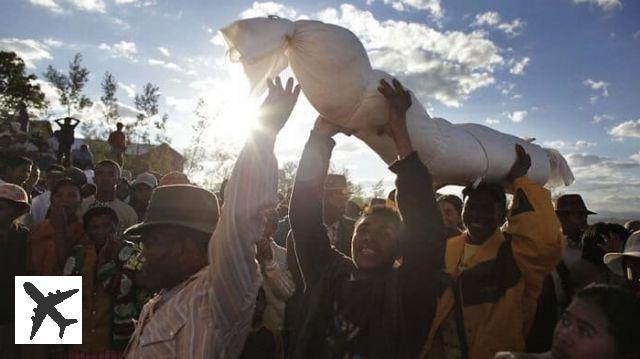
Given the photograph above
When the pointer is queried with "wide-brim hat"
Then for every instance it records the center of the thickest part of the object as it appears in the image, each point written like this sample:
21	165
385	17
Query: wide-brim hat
572	203
15	194
180	205
631	249
335	182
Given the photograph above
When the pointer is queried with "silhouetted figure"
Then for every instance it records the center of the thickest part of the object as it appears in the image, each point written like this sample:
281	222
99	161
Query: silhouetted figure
66	137
118	144
23	117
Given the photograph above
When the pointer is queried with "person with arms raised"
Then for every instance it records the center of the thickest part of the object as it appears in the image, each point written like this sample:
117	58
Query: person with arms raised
207	288
496	275
367	307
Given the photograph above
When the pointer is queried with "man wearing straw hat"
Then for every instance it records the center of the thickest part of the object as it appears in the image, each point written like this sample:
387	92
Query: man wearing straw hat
627	263
206	289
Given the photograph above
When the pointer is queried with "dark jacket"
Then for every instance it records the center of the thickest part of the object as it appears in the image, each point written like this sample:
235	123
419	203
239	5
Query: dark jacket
13	262
390	314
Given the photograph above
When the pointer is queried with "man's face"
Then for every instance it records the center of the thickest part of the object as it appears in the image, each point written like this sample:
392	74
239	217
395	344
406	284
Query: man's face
158	253
583	333
375	243
52	178
67	196
142	193
18	175
106	177
450	215
482	215
631	266
573	223
100	228
335	201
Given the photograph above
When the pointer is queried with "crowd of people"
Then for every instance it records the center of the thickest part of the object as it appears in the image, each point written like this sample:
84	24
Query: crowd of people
173	270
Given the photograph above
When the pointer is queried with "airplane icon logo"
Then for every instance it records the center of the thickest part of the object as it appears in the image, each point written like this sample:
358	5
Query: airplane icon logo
46	306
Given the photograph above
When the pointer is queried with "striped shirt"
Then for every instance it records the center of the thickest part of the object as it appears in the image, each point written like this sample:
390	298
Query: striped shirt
209	315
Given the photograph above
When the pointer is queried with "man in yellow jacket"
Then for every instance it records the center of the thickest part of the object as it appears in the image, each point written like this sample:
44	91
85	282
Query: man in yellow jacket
495	274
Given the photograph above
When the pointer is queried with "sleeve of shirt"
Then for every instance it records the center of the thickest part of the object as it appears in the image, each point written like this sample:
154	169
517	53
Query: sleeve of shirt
537	243
311	241
232	250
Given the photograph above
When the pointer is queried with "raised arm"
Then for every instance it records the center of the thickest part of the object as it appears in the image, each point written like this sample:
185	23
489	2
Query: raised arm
251	188
422	239
532	223
312	247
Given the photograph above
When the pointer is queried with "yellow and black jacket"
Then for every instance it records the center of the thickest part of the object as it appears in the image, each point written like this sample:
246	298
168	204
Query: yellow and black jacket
496	295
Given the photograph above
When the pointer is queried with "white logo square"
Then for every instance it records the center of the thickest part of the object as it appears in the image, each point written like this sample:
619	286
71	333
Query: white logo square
48	309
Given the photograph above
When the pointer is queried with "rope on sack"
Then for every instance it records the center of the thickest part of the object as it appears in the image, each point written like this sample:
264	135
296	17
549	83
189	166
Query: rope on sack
478	180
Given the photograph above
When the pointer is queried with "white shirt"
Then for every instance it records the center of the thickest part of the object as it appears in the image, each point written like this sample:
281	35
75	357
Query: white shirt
210	314
127	216
39	207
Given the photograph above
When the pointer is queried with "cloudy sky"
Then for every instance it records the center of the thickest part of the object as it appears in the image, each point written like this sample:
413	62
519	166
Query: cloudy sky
562	71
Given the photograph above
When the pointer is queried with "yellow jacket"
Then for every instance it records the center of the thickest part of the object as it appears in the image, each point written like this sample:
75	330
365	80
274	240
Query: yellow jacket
500	286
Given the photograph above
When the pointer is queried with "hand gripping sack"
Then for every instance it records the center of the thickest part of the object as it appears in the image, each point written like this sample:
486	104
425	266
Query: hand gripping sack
336	77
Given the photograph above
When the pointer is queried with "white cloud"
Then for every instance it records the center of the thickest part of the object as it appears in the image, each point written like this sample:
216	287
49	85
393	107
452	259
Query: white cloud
170	66
185	105
636	35
53	42
218	40
606	5
129	89
490	18
164	51
436	12
518	66
49	4
626	129
575	146
445	66
493	19
597	85
29	50
124	49
261	9
517	116
603	117
635	157
492	121
89	5
137	3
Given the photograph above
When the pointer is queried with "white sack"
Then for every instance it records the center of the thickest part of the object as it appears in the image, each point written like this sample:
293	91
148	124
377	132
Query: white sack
336	77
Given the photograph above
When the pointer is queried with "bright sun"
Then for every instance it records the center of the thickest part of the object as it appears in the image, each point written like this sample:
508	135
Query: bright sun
238	114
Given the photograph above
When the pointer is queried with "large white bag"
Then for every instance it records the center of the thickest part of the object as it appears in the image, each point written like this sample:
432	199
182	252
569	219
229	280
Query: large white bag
336	77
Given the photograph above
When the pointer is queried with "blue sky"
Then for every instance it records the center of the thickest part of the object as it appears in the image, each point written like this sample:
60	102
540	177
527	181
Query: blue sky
562	71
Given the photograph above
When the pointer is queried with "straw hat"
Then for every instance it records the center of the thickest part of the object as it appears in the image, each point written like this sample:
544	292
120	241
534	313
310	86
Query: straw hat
180	205
631	249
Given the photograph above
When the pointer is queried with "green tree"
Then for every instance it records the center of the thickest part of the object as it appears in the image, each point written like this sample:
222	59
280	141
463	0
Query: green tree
95	128
71	85
109	100
378	189
16	87
147	104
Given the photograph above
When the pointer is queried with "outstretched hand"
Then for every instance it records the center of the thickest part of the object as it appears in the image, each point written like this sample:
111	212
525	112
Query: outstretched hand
521	166
399	102
277	107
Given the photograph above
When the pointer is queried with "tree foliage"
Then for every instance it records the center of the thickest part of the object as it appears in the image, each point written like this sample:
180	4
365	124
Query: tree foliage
71	85
17	87
147	104
109	100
